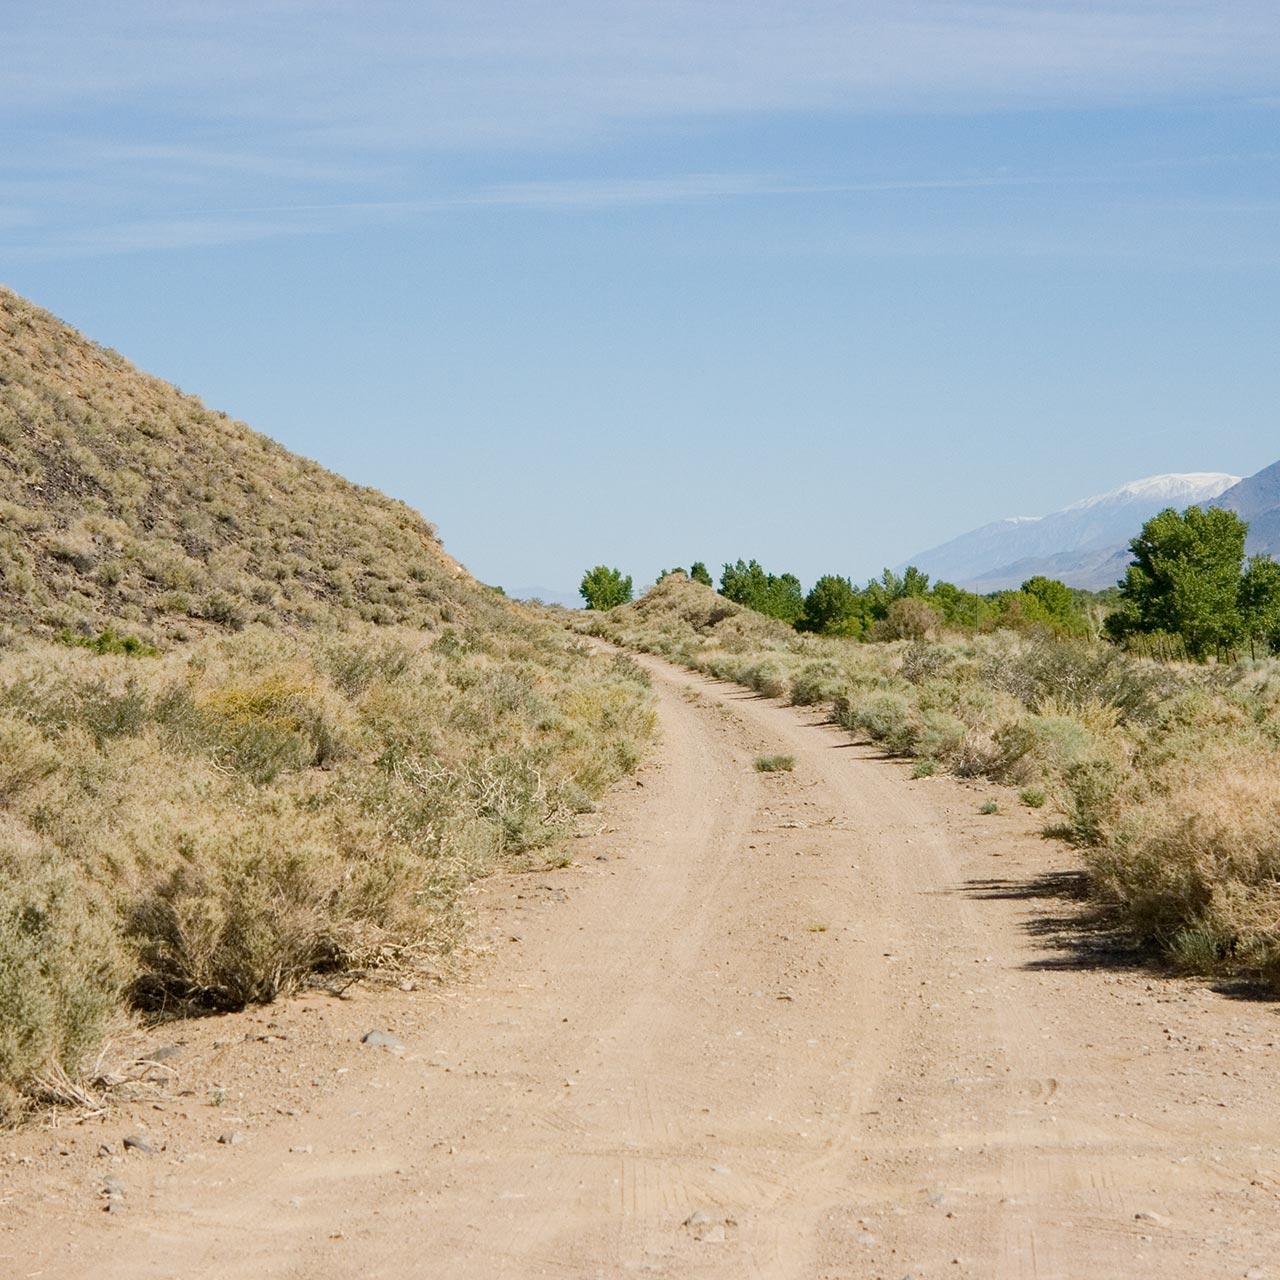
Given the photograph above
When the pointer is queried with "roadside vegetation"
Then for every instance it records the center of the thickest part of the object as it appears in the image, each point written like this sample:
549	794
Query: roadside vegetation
255	724
901	605
1165	775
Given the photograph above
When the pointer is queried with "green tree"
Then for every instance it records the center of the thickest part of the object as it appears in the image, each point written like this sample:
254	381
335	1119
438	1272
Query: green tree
605	588
775	595
960	608
1259	602
881	593
1185	580
834	607
698	572
1058	603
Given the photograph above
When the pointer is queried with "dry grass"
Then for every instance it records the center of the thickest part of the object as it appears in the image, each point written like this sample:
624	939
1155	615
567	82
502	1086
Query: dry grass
206	829
254	723
124	502
1167	777
775	764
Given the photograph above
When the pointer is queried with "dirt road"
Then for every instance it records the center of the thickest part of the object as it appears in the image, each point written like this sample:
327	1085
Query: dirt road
826	1023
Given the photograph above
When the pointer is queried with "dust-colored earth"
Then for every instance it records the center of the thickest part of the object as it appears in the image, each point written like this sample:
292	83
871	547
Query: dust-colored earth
826	1023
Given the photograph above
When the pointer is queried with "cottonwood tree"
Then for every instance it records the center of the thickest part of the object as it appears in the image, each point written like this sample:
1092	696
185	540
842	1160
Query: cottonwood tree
605	588
834	607
1185	580
775	595
1259	602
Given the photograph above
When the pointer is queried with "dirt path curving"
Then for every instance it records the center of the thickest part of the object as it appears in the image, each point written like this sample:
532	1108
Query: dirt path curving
827	1023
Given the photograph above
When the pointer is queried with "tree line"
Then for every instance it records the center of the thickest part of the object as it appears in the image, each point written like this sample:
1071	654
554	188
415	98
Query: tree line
1189	592
893	606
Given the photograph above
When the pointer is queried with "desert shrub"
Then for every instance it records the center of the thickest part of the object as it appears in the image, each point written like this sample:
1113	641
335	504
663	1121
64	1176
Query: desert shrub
909	618
255	906
1093	797
246	810
1040	746
816	682
766	678
775	764
1164	772
109	640
941	735
259	724
60	967
886	717
922	661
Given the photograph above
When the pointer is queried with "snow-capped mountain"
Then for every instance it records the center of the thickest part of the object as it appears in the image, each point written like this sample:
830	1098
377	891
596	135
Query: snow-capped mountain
1085	544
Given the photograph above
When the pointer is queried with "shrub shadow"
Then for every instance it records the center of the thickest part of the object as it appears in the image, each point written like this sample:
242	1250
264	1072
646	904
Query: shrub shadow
1075	932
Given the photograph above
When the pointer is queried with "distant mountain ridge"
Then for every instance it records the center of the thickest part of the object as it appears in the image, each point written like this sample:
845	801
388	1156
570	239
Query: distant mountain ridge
1087	543
1257	500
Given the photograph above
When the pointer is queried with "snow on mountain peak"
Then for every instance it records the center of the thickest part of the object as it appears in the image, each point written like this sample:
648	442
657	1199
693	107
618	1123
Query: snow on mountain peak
1071	542
1189	486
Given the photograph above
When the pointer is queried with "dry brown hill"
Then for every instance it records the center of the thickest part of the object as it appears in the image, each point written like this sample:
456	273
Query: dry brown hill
124	501
213	818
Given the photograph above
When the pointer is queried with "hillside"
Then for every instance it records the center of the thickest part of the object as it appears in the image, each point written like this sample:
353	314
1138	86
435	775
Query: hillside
333	731
124	500
1084	545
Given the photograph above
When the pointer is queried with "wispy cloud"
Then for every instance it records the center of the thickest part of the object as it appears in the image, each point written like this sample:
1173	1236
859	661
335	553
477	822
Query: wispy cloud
242	224
388	73
154	124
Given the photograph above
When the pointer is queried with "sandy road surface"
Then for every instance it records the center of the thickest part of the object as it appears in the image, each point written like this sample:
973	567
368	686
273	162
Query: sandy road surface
831	1023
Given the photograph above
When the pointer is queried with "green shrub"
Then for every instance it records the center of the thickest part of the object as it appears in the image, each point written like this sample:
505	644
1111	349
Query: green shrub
108	640
1033	797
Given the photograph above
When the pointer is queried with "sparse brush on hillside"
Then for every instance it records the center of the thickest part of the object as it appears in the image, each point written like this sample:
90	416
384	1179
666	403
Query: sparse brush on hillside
254	723
124	502
1167	776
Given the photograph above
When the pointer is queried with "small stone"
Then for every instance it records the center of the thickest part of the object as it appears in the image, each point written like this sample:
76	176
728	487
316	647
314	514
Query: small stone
867	1240
113	1206
162	1053
112	1188
1148	1215
698	1218
139	1142
232	1138
382	1040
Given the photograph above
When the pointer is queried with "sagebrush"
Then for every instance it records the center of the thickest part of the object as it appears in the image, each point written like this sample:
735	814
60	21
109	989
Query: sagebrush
1165	775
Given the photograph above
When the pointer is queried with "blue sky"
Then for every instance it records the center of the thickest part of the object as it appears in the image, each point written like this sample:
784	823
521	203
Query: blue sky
821	283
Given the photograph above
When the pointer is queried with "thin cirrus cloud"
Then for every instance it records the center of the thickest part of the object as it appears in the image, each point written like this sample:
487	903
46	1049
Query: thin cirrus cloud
481	69
246	224
162	124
